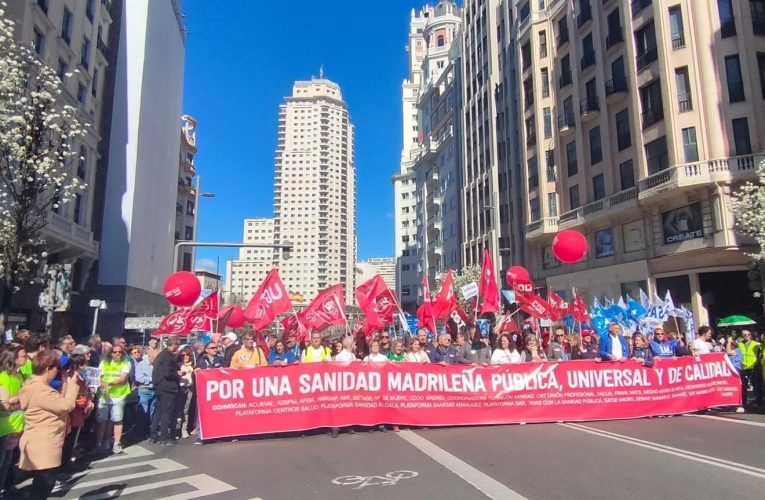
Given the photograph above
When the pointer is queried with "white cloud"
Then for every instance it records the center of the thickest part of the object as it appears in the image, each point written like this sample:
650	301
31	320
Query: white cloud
208	265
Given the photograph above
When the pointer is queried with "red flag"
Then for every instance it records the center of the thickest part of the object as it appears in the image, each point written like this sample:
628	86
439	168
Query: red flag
269	301
464	316
559	308
260	341
425	317
369	290
385	305
579	310
425	290
487	286
506	324
294	328
445	300
201	316
524	290
174	323
327	309
537	307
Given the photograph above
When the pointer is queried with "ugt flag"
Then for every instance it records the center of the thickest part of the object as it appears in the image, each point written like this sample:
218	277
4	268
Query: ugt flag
269	301
487	285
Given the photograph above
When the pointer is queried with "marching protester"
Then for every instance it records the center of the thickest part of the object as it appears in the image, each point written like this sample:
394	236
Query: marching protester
416	354
533	352
115	387
165	378
422	336
614	347
703	344
736	359
280	356
152	349
374	353
661	346
95	344
210	358
147	399
186	392
385	346
397	353
46	416
555	351
11	416
231	346
641	352
82	409
506	351
445	353
35	344
751	359
337	347
346	354
315	351
583	347
250	355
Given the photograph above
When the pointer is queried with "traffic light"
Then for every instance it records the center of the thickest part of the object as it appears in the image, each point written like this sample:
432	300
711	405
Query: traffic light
754	275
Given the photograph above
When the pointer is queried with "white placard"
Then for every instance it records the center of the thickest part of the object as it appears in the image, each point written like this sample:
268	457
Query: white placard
469	291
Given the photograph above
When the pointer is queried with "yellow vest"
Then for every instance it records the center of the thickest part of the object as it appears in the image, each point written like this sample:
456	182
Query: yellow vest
748	354
322	353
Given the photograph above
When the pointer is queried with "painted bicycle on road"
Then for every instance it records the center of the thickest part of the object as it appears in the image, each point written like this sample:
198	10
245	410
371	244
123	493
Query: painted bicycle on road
389	479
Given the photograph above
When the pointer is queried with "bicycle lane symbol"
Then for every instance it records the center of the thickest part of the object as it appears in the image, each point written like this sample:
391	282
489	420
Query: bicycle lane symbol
389	479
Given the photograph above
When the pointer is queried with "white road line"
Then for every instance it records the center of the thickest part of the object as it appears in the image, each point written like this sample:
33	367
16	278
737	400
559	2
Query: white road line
731	420
678	452
160	466
204	484
487	485
128	453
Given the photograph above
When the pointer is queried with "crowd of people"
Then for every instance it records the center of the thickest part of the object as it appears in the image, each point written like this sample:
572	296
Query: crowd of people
57	400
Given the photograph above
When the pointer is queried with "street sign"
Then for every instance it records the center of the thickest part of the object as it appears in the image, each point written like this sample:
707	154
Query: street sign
143	323
469	291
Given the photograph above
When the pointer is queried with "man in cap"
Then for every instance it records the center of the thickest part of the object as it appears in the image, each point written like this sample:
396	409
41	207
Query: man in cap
230	345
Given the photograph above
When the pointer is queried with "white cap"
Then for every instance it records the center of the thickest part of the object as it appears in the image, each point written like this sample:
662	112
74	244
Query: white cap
231	336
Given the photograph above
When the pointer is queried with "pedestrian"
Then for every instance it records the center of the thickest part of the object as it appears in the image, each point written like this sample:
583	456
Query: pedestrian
210	358
613	346
641	351
186	393
82	409
375	355
385	345
445	353
114	389
147	399
315	351
422	336
46	418
533	352
11	418
397	353
583	347
95	344
250	355
166	378
736	359
555	350
346	354
230	345
751	366
280	356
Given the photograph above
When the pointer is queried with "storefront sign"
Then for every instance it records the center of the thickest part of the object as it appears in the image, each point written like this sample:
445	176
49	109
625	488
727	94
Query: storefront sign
682	224
278	399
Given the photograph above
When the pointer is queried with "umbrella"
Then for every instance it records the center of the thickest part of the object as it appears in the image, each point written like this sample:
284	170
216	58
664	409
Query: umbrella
736	320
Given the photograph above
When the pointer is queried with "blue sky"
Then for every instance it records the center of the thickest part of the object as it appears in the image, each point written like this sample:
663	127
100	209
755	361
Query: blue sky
241	61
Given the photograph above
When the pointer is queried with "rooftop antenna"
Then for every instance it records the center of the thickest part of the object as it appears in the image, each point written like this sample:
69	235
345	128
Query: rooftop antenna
321	72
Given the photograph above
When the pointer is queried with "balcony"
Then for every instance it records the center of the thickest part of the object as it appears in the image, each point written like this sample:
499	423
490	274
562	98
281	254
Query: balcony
678	40
566	123
643	60
545	225
651	117
432	178
723	170
562	38
189	166
595	210
564	80
583	17
639	5
70	237
684	102
589	106
616	86
588	59
434	201
531	140
614	37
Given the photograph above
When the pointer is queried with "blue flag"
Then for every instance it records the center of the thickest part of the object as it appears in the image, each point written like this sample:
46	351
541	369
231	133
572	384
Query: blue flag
635	310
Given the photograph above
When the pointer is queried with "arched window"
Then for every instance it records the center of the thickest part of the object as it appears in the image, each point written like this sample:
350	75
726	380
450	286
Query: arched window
440	40
82	162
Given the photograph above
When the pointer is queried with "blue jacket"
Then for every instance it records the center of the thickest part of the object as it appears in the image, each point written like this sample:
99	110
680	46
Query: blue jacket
736	359
665	349
287	357
605	347
448	355
644	353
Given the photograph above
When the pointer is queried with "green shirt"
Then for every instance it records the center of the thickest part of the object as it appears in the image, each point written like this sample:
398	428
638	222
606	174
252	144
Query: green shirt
26	369
111	370
396	357
11	422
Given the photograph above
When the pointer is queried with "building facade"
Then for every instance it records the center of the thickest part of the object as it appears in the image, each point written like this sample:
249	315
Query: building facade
186	206
639	120
244	275
437	164
315	190
71	37
141	183
384	266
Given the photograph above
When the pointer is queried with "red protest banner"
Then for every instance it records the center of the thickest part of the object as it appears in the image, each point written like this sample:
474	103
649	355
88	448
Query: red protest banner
299	397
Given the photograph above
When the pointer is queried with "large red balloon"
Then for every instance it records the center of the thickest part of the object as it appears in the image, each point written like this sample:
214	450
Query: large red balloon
182	289
569	246
517	273
237	319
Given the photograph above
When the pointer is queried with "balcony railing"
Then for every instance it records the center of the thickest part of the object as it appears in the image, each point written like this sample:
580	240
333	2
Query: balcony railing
531	140
652	116
545	225
562	37
566	121
678	40
588	59
614	37
646	58
616	85
565	79
584	16
588	105
685	102
638	5
599	208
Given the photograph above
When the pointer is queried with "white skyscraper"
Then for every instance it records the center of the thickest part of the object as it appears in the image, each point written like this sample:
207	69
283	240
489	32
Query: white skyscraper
244	275
315	190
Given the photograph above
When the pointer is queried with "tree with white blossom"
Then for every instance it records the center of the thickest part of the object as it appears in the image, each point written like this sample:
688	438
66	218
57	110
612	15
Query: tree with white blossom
38	133
468	274
748	202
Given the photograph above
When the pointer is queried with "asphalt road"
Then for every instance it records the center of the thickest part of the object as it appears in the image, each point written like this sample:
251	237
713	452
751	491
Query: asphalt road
717	455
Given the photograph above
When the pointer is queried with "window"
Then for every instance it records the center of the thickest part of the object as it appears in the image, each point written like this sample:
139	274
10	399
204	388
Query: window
757	9
85	53
596	151
650	100
524	11
588	53
545	83
38	41
645	46
727	22
534	209
533	172
82	163
627	175
562	31
571	164
89	10
189	207
741	137
614	29
598	187
526	55
676	27
531	133
735	82
690	148
565	71
405	267
656	155
573	196
440	41
61	69
189	234
406	291
82	93
552	204
623	138
542	44
66	26
550	165
77	212
94	87
590	103
684	101
568	111
761	71
43	5
547	119
528	92
187	263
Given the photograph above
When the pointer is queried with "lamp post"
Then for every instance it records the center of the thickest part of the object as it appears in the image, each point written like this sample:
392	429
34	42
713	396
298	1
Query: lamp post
97	305
198	193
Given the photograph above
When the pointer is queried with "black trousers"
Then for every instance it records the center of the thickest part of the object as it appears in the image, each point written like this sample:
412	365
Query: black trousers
43	482
753	376
163	423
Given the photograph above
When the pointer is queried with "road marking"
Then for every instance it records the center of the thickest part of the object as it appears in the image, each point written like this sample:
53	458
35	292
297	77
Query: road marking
127	453
486	484
731	420
160	466
389	479
204	484
678	452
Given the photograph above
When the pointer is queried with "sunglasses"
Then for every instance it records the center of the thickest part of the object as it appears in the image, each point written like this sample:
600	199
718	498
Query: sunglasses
212	348
116	352
559	335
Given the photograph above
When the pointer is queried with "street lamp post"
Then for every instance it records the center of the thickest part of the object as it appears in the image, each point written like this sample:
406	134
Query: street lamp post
97	305
197	195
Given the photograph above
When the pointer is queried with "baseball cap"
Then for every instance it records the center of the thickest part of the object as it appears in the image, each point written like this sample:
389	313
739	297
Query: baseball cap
586	333
231	336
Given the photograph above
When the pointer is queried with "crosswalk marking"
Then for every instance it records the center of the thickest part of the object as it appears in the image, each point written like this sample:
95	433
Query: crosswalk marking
203	484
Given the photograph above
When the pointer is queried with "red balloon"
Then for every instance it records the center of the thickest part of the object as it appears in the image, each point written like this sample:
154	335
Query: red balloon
517	273
237	319
569	246
182	289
